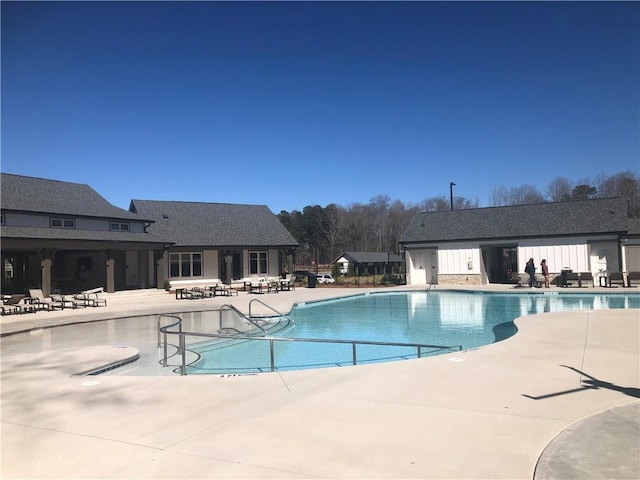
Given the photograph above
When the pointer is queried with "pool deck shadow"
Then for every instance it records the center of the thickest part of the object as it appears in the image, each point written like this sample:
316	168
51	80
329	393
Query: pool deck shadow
557	400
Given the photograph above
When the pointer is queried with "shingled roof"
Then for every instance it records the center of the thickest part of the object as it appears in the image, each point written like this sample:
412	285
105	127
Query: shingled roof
578	217
200	224
370	257
39	195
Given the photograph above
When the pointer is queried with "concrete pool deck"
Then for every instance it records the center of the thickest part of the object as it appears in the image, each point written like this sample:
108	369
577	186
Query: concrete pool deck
561	399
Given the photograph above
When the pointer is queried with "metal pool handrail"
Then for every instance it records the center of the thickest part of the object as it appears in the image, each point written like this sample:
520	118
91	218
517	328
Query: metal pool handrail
247	318
182	341
269	307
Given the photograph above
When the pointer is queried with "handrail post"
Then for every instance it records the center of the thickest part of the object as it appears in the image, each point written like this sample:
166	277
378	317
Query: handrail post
419	351
353	351
183	369
273	357
165	349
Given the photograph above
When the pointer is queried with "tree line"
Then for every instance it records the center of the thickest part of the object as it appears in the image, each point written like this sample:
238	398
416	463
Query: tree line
325	232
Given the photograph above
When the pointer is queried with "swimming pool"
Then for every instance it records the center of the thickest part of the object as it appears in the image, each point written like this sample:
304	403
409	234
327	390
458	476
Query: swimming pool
445	318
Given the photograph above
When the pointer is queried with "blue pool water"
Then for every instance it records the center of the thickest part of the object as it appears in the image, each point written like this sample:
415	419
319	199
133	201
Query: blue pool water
445	318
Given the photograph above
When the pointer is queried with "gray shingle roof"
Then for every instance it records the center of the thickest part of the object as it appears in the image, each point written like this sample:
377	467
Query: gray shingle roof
39	195
214	224
370	257
580	217
81	235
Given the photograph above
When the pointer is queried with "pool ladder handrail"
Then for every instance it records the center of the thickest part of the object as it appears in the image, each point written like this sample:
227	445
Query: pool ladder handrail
249	319
182	342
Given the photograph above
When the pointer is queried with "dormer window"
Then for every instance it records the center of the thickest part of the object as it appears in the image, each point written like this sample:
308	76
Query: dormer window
63	223
119	227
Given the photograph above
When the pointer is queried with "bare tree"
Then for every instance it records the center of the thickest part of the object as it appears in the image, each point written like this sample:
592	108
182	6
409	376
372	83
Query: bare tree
436	204
559	189
526	194
624	185
499	196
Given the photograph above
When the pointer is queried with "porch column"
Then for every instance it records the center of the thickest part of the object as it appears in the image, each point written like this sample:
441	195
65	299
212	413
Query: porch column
160	268
228	260
110	265
45	266
143	268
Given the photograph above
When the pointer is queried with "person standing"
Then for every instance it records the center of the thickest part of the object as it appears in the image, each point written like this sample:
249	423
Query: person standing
530	268
545	272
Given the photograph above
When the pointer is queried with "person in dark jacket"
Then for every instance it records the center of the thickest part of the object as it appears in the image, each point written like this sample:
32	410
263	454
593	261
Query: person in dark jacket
531	270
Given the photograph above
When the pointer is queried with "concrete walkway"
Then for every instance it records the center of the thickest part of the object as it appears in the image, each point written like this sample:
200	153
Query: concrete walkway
485	413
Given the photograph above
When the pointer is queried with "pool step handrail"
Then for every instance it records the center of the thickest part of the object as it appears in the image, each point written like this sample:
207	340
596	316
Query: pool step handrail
257	300
272	340
248	318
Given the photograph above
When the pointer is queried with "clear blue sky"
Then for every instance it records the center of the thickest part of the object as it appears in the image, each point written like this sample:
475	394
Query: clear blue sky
294	104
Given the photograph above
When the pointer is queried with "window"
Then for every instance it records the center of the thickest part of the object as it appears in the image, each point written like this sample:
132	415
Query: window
63	223
258	263
119	227
185	265
1	218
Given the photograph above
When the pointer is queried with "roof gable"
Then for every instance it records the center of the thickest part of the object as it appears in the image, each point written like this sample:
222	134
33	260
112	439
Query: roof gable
370	257
214	224
578	217
39	195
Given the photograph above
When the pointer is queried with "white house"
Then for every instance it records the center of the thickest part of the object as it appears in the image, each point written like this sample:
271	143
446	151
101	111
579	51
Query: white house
488	245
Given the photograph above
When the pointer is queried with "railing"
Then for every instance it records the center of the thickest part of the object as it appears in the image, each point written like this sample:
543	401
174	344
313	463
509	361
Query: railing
272	340
240	314
431	283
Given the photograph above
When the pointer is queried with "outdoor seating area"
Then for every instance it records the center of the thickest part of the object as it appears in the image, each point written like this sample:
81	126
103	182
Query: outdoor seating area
37	301
255	285
211	291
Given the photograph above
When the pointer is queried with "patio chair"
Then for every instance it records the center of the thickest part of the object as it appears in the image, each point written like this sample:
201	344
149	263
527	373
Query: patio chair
198	292
633	279
256	284
222	290
288	284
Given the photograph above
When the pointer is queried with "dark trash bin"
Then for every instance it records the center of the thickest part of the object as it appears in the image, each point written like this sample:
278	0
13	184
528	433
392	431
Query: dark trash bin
311	281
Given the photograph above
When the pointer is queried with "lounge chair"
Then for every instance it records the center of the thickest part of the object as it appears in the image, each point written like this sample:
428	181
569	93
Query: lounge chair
53	301
91	298
577	279
42	302
616	278
587	277
16	304
633	279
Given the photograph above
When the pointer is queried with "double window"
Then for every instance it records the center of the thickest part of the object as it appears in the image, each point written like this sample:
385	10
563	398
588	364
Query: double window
258	264
119	227
63	223
185	265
